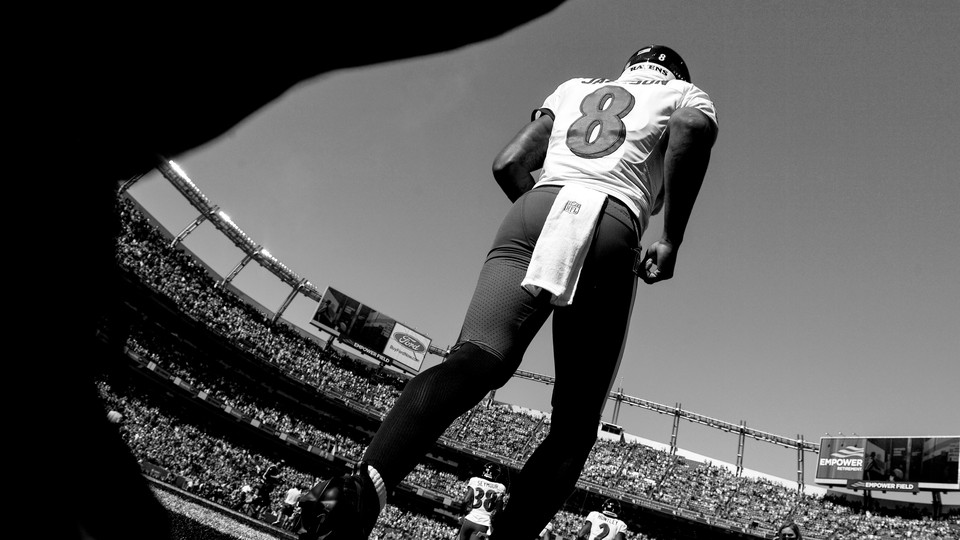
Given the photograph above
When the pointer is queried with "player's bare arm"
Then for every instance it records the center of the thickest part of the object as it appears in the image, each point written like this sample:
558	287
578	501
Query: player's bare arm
691	135
584	530
522	155
466	502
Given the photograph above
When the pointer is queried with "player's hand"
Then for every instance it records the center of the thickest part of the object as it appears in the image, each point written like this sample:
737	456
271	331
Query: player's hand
658	263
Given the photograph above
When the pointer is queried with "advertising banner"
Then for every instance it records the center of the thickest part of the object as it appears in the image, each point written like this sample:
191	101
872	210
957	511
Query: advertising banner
869	485
890	463
370	331
407	346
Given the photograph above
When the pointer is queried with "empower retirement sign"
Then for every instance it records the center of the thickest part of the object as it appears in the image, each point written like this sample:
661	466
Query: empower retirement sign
890	463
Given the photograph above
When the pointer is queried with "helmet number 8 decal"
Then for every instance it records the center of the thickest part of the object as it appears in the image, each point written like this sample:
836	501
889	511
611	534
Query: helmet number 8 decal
600	130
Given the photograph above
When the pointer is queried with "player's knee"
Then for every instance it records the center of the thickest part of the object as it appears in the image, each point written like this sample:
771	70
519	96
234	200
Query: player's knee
491	371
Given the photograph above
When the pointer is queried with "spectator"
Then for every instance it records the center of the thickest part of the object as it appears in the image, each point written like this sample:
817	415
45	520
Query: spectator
285	518
789	531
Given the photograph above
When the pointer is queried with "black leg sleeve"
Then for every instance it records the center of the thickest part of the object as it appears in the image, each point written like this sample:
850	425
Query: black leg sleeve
427	406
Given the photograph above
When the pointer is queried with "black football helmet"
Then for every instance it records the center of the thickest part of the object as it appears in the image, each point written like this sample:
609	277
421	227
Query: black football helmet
610	507
663	56
491	471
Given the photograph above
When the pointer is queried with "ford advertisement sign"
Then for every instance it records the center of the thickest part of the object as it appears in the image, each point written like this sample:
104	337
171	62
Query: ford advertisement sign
371	332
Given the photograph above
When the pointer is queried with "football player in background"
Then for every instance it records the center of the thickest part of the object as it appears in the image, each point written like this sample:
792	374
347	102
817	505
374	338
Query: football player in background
604	524
483	498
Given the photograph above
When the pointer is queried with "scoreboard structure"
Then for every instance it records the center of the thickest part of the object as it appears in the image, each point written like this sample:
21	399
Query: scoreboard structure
370	331
890	463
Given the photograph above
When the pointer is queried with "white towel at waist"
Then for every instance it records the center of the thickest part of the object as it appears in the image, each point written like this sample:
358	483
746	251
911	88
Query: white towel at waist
563	244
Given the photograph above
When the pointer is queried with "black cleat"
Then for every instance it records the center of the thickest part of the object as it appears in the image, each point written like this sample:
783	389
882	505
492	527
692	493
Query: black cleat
341	508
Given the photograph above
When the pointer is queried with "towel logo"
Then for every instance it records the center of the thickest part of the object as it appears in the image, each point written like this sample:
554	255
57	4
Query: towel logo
572	207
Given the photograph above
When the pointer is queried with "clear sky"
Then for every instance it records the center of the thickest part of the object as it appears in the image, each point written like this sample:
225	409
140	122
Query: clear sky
817	290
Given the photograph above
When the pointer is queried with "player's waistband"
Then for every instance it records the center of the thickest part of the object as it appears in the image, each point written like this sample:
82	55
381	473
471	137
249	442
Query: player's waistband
613	206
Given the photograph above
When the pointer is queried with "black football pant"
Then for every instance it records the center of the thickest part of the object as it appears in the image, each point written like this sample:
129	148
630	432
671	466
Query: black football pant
503	318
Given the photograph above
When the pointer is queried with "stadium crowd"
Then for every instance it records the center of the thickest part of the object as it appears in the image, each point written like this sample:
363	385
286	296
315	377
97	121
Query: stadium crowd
172	448
215	467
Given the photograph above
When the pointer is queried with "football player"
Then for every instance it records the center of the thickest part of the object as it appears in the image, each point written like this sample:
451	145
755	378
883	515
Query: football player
484	496
611	153
604	524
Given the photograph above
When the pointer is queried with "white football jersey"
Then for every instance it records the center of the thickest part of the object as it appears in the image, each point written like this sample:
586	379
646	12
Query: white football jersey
607	135
486	496
604	527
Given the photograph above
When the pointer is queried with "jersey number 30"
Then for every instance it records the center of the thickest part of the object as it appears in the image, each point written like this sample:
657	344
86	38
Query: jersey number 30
600	130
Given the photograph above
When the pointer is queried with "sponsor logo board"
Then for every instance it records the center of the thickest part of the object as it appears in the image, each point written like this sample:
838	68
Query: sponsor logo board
881	485
370	331
889	463
407	346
